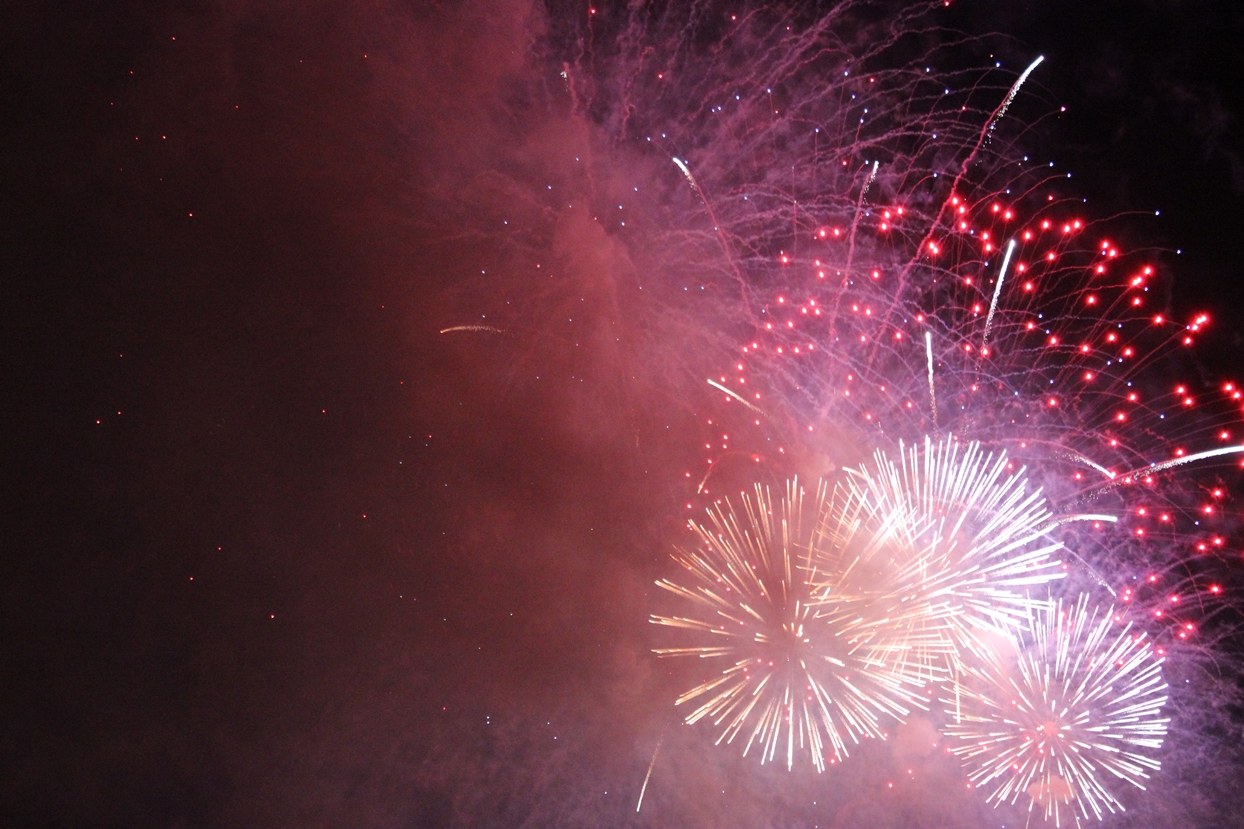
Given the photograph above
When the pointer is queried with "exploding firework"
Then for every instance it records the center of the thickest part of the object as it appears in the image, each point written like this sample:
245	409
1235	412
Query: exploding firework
1074	710
882	259
991	309
885	580
833	614
939	546
802	674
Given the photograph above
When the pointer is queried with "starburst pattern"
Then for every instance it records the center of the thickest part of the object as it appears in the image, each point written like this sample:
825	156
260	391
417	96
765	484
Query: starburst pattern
938	545
802	675
1072	713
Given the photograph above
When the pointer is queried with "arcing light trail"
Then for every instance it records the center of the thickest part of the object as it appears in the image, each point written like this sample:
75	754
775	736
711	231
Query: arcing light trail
1091	464
640	802
1083	516
997	291
490	329
721	237
928	350
1010	96
736	396
682	165
1155	468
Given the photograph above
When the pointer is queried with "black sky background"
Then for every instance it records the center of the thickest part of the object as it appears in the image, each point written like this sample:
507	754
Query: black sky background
275	552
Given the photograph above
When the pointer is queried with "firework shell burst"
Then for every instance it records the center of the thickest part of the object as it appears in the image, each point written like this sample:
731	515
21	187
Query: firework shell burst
833	610
802	675
1070	712
943	543
883	259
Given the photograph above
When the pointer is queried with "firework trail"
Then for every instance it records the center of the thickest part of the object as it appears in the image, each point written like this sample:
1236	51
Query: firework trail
640	802
997	291
928	348
1075	713
736	396
1010	96
488	328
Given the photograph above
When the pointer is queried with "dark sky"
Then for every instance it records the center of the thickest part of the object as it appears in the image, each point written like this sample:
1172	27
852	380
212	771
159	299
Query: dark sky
1154	92
277	553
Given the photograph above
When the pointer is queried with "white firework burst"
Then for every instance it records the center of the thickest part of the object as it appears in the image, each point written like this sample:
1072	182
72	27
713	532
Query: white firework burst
802	676
1071	713
941	544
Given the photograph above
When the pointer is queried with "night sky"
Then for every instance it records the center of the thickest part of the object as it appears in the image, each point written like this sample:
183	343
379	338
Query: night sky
278	553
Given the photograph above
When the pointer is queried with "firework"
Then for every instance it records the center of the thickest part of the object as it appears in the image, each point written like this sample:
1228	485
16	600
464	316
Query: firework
886	262
802	675
889	263
1075	712
843	230
942	544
